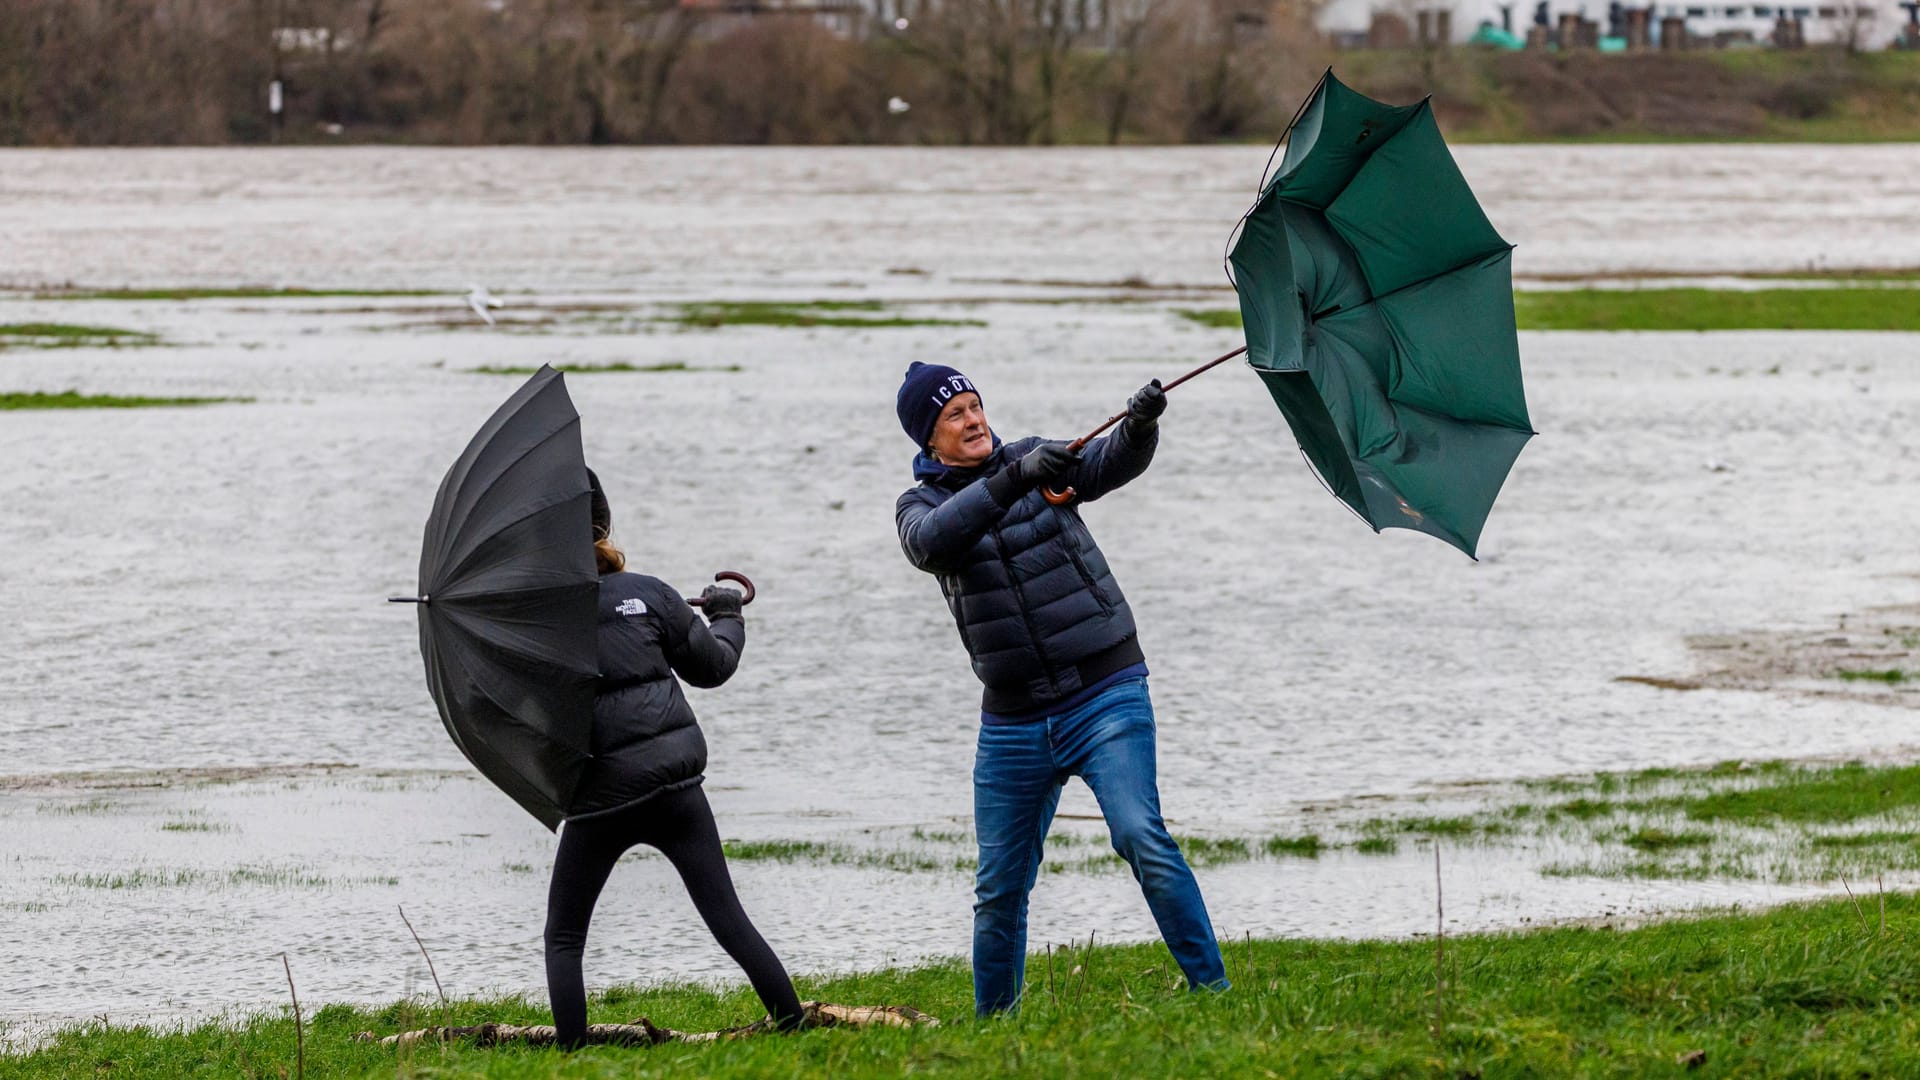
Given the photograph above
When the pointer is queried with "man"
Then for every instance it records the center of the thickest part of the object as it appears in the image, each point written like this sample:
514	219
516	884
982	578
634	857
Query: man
1054	643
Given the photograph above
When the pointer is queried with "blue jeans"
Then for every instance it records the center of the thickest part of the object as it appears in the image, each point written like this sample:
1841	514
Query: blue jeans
1017	776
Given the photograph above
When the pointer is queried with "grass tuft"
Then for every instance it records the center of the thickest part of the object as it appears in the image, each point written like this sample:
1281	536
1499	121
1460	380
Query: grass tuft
615	367
73	399
1649	838
1303	847
1865	307
247	292
67	335
861	314
1890	676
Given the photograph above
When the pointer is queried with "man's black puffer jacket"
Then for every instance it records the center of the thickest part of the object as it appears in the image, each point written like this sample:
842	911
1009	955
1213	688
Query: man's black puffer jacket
645	738
1037	607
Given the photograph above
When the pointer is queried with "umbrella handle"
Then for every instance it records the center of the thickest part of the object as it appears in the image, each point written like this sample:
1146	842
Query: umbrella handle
729	575
1061	498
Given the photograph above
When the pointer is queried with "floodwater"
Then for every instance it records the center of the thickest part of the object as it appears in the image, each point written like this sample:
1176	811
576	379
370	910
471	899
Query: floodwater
203	588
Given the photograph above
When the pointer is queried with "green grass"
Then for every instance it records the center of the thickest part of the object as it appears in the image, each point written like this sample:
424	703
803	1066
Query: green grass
1879	838
1712	309
1213	318
1863	308
1582	809
1651	838
1889	676
1811	796
618	366
1774	820
278	877
1207	851
1797	991
133	879
823	854
41	335
245	292
780	851
1451	827
90	806
195	826
73	399
865	314
1303	847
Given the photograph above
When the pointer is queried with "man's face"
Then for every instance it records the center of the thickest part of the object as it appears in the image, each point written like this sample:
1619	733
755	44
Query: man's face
961	436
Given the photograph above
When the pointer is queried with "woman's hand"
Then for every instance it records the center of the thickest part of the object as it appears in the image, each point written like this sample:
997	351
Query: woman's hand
720	603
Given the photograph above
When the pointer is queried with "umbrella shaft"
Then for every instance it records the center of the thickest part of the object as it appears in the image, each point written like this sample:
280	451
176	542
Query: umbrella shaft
1081	443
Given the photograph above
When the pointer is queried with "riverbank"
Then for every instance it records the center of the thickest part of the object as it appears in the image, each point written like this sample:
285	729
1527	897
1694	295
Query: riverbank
1825	989
1751	95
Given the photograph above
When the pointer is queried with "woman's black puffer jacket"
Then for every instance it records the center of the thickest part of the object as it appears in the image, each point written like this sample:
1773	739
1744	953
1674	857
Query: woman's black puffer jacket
645	737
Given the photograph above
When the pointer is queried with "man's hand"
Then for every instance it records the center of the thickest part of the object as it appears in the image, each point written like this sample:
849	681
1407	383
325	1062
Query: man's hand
1045	462
1147	403
719	603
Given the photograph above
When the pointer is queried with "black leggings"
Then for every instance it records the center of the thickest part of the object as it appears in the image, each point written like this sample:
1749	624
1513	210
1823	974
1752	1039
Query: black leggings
680	824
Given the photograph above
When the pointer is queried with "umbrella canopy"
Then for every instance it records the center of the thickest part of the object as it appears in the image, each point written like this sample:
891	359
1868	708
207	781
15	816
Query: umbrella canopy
508	595
1378	304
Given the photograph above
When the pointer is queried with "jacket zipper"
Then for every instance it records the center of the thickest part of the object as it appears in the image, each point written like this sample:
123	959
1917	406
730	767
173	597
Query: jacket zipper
1026	615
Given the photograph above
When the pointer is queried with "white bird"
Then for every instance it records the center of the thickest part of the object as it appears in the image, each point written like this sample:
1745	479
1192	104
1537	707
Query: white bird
900	24
1716	465
480	300
897	105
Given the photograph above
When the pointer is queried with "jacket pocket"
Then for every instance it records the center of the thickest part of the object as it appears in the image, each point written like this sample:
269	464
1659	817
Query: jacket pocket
1086	576
952	593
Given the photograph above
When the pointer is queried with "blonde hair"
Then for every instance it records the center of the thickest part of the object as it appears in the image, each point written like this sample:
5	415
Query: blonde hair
608	558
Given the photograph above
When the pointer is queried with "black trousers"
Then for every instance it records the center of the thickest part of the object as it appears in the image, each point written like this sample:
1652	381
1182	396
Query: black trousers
680	824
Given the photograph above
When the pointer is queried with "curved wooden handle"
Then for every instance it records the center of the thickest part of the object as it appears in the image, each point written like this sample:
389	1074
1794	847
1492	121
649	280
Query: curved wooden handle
729	575
1057	498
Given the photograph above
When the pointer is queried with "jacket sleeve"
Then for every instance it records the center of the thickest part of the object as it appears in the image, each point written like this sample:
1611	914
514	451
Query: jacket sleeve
703	655
1115	459
935	538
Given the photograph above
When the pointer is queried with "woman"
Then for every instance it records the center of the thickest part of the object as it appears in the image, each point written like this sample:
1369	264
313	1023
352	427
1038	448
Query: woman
643	784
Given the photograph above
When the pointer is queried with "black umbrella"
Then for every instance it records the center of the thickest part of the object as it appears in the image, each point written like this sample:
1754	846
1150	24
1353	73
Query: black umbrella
508	594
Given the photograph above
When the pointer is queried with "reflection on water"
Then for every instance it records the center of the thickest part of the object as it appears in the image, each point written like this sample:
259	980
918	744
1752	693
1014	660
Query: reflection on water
204	587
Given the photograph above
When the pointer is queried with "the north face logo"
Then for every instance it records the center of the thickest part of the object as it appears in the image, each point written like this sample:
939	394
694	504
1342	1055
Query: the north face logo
631	607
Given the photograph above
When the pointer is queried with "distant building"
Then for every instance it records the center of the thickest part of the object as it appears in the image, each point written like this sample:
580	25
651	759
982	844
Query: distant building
1868	24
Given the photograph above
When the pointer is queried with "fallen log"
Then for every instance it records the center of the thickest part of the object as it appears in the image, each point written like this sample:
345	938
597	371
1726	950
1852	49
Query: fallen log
644	1032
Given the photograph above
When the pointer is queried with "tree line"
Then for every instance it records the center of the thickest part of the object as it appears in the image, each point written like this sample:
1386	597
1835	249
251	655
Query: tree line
958	72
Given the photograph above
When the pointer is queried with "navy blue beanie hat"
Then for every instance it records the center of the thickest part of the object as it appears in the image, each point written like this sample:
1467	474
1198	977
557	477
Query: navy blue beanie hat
925	391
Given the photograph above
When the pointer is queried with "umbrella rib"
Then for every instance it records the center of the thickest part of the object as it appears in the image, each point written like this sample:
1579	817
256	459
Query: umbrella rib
1372	301
573	425
461	566
1226	257
504	711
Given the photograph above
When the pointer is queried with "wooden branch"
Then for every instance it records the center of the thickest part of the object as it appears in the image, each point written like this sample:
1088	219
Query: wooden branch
644	1032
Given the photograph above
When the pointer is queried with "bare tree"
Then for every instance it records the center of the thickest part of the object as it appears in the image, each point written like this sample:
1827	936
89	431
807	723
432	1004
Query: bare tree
1856	23
1128	24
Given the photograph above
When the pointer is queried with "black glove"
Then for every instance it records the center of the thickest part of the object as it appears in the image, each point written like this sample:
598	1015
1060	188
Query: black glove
720	603
1147	403
1048	461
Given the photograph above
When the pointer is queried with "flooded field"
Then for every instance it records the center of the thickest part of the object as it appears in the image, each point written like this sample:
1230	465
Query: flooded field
194	597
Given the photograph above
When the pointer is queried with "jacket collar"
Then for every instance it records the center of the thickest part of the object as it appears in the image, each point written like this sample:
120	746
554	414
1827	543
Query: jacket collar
927	470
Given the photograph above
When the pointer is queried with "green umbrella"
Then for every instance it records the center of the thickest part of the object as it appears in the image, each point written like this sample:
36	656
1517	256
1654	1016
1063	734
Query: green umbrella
1378	304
